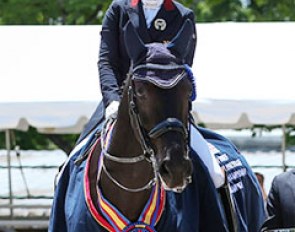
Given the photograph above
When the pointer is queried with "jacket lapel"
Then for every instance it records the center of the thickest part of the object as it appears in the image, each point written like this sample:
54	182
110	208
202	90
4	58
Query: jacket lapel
136	16
168	12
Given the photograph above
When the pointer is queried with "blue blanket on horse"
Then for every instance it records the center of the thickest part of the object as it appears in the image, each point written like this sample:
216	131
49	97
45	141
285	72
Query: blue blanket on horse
197	208
244	187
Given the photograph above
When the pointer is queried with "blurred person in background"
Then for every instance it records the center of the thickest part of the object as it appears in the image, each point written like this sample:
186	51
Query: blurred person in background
260	178
281	202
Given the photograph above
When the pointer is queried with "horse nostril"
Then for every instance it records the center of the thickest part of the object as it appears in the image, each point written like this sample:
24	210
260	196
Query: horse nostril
182	169
164	169
189	179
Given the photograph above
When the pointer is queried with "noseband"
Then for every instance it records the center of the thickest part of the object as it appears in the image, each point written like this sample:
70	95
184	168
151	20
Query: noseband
165	126
170	124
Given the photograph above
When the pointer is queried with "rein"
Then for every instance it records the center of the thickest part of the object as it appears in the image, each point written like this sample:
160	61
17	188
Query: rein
149	185
124	160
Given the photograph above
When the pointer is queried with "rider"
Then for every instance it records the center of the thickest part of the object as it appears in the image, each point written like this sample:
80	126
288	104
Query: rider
155	21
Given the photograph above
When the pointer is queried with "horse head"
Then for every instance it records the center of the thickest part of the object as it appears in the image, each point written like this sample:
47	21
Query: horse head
159	94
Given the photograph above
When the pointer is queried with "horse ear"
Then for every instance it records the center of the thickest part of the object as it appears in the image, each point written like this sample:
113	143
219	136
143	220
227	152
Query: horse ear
180	43
134	45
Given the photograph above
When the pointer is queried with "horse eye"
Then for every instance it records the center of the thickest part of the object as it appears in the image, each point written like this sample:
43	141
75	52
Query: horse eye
140	89
190	93
189	88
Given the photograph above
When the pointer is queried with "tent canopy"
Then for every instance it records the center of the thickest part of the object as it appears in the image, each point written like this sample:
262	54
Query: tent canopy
239	114
49	77
244	71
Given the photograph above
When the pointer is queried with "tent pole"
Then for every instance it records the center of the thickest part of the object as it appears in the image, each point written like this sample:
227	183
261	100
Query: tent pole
284	148
8	148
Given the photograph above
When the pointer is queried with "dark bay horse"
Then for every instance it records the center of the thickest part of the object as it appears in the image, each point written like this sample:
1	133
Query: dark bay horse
138	172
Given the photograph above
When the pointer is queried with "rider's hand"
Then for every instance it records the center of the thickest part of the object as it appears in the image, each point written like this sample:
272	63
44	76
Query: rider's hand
112	109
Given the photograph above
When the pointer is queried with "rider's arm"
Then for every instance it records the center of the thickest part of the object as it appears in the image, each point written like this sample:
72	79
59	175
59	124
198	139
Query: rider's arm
109	59
190	56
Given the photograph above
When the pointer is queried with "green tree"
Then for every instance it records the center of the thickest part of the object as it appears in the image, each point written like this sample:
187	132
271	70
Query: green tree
40	12
32	139
77	12
242	10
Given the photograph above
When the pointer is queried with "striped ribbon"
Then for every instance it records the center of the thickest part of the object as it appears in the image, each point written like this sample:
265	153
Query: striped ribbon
112	219
149	216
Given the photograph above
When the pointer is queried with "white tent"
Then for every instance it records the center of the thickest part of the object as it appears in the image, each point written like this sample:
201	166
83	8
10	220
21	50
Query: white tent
48	77
49	80
245	74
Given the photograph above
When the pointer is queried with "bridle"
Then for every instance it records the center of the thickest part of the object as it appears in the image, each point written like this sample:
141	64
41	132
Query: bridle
144	136
125	160
167	125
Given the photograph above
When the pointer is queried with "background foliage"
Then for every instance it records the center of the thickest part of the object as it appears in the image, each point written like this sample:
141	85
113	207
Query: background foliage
77	12
87	12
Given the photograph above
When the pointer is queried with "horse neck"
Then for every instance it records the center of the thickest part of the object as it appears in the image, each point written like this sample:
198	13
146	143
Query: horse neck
125	144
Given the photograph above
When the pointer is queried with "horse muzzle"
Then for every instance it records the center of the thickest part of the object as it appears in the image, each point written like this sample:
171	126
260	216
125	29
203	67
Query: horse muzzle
175	175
